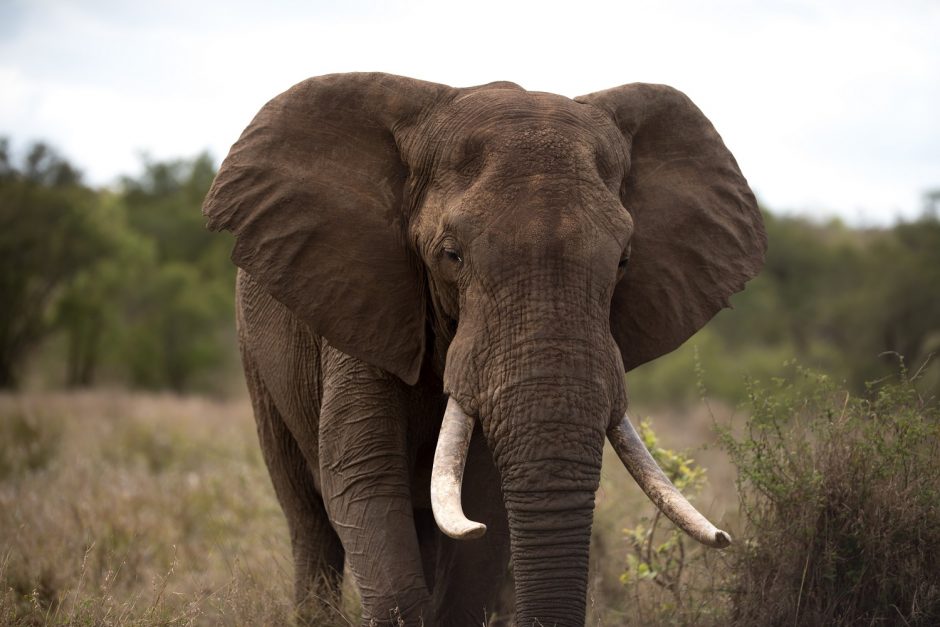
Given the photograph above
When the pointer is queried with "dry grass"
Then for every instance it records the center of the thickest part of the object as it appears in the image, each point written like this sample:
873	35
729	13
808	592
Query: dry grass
122	509
119	509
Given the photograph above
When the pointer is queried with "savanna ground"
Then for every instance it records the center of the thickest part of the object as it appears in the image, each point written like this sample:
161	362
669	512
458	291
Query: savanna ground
155	509
124	509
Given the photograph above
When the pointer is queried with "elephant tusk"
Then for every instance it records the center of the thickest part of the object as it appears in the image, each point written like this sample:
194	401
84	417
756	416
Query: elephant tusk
648	475
450	457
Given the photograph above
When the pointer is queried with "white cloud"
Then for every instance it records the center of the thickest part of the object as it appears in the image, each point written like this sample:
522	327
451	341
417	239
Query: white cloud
826	105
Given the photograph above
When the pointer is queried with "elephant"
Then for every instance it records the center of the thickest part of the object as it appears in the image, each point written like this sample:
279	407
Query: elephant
439	292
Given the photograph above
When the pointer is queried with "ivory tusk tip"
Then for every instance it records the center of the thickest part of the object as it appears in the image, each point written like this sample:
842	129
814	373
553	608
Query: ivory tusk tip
471	531
722	539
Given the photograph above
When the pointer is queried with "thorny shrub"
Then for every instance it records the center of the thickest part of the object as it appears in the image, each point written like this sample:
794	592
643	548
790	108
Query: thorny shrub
840	501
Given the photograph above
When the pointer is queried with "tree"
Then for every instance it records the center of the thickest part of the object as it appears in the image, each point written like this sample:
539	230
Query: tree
164	204
179	327
51	231
92	309
180	319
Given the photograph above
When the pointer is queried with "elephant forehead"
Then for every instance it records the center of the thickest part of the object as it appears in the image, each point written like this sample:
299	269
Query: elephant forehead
516	118
509	103
539	148
539	217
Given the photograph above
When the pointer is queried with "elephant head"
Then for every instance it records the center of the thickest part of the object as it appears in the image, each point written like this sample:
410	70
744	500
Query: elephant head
527	248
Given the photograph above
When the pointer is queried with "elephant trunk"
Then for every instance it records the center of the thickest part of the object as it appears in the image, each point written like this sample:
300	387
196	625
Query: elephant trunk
550	504
549	459
550	534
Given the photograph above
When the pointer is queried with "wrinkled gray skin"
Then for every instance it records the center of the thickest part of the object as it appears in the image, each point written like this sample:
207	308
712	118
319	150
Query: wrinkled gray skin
402	241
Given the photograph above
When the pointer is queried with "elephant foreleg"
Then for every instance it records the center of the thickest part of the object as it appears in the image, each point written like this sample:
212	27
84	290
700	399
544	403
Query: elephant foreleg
364	475
317	551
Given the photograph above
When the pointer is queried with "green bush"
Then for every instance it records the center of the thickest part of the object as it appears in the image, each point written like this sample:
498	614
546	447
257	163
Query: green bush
668	578
840	500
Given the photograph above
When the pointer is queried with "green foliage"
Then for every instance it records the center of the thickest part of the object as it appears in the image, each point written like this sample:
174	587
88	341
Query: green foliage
127	286
90	312
841	504
52	231
134	287
659	553
180	321
901	301
164	204
845	301
668	380
174	326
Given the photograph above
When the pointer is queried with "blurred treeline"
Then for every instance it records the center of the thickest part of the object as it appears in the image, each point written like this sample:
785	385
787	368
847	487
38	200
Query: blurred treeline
117	287
125	287
851	302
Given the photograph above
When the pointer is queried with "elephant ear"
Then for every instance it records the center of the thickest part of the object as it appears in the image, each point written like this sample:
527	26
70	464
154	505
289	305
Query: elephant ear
699	235
313	192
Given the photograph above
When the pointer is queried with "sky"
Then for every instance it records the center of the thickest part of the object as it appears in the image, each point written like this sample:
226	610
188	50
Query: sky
832	108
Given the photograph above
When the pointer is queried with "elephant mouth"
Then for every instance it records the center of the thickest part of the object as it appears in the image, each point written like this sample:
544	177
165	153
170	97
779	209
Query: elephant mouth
450	458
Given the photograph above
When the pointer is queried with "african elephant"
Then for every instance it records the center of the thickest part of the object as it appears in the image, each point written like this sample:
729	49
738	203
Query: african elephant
435	314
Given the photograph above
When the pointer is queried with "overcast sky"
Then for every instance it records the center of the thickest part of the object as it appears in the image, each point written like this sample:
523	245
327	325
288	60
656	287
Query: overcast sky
831	108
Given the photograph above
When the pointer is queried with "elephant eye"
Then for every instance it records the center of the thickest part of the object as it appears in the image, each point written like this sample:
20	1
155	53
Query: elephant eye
453	255
625	259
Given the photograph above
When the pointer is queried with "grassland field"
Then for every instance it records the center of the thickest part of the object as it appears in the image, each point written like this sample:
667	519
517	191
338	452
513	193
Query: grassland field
119	508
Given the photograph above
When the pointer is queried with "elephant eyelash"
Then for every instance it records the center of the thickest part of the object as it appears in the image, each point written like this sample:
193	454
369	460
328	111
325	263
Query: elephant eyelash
625	258
453	255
